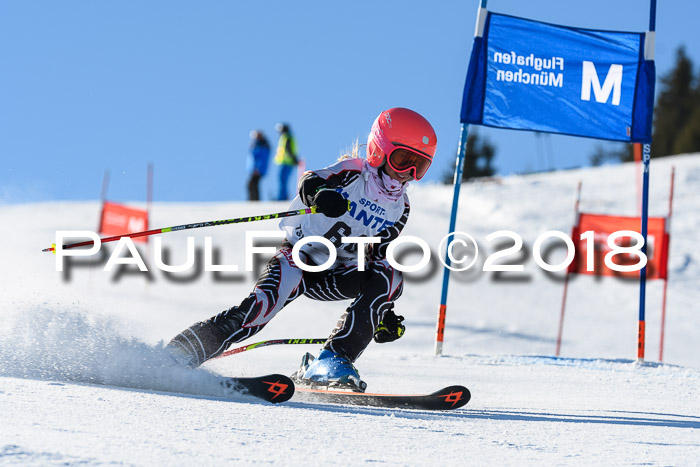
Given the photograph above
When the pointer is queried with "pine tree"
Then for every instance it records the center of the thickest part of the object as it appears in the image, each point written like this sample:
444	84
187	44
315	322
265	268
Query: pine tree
676	118
478	159
689	137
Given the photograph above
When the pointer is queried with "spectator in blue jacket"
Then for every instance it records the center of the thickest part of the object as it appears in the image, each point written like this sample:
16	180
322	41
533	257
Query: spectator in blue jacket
257	163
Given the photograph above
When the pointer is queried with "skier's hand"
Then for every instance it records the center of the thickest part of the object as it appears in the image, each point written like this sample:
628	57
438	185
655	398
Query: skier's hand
390	328
309	184
330	202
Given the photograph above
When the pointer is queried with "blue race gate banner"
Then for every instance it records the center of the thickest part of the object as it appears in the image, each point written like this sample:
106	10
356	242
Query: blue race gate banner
529	75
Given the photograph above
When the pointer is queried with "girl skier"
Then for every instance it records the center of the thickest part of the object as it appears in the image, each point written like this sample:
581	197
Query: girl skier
356	198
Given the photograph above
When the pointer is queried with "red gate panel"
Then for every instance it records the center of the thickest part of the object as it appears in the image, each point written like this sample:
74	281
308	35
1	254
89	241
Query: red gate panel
603	226
118	219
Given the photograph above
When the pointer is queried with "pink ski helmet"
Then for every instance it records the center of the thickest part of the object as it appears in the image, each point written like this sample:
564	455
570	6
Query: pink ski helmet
404	139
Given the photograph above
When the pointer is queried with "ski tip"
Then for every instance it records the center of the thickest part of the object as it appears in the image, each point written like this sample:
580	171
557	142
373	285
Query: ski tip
453	397
276	388
271	388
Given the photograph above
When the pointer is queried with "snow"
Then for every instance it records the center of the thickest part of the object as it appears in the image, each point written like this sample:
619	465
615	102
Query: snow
69	346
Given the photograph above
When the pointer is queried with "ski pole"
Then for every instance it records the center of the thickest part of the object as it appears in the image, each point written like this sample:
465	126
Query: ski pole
311	210
272	342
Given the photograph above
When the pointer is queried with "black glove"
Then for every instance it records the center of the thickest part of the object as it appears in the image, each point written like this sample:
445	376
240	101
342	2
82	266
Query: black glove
309	185
330	202
390	328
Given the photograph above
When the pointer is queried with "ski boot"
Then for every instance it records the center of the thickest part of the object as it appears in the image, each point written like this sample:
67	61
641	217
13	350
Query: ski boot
181	356
329	371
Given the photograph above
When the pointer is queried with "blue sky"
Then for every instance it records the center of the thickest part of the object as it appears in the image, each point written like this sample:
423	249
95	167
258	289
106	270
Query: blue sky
89	86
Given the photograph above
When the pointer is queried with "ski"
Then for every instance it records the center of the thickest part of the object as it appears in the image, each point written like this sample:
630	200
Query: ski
448	398
271	388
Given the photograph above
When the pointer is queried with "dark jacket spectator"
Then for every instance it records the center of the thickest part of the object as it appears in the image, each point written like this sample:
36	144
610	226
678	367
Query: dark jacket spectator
258	159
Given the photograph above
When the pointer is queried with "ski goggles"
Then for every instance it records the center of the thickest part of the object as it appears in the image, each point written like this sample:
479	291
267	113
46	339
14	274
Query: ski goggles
404	159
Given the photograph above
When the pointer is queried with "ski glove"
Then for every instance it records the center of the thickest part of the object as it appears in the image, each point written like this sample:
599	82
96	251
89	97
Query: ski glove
390	328
330	202
317	191
309	185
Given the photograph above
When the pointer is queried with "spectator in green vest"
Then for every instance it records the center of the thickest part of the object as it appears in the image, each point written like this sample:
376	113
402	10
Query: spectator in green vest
286	158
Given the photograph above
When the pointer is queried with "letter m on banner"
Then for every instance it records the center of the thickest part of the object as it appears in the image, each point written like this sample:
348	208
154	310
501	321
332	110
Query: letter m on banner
529	75
613	83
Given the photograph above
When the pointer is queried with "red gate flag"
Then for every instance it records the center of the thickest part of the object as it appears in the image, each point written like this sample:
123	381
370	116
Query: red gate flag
117	219
603	226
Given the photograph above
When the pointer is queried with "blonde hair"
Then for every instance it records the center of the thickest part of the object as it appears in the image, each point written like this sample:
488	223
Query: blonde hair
353	153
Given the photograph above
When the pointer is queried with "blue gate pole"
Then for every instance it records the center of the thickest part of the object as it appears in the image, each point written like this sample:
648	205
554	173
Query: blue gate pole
641	327
641	331
459	169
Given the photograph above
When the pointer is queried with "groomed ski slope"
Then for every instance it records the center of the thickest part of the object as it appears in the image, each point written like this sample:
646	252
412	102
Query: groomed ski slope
69	345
